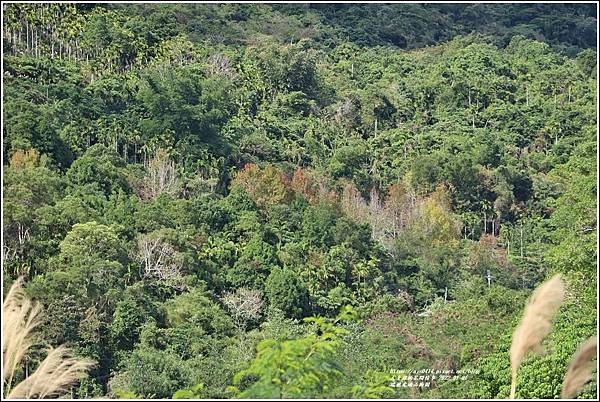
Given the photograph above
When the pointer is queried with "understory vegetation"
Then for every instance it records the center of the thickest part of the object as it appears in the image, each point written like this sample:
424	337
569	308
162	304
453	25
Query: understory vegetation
298	201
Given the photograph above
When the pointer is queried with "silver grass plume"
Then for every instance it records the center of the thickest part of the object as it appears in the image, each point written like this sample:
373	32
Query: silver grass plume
580	369
535	324
56	373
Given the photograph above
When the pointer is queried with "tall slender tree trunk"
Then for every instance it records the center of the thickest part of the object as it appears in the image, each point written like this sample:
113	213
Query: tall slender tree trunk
521	240
27	34
484	222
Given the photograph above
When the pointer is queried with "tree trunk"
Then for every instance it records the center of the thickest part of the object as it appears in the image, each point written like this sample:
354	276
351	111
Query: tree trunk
484	222
27	34
521	240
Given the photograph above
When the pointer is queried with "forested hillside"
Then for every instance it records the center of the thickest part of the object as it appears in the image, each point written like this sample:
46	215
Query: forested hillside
293	200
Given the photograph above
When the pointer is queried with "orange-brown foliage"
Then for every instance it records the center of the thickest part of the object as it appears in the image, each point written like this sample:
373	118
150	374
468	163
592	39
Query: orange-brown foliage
266	186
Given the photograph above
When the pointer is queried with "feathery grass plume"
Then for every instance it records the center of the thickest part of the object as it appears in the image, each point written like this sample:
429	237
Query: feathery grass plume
580	369
20	316
53	377
535	324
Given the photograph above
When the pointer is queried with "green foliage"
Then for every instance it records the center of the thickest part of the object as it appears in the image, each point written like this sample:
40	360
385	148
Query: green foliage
287	293
377	386
131	312
317	223
194	392
151	373
125	395
574	219
256	260
29	186
98	169
194	309
161	158
295	368
90	265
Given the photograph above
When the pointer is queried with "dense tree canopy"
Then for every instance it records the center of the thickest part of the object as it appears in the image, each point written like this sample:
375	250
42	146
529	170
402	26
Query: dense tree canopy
294	200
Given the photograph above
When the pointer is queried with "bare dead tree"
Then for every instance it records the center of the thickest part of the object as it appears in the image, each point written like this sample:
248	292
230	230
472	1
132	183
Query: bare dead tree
218	64
345	110
379	217
14	239
388	218
160	260
244	305
353	204
162	176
